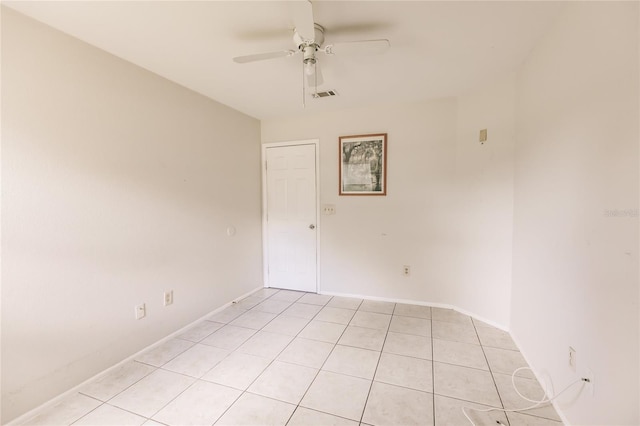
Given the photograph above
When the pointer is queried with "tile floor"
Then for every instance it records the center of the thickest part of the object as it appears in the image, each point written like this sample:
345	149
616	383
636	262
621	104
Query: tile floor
281	357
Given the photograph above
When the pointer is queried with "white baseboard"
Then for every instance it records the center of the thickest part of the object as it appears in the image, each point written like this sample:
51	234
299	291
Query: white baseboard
421	303
36	411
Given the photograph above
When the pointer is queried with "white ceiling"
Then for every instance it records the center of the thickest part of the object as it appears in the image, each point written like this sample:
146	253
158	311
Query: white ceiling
438	49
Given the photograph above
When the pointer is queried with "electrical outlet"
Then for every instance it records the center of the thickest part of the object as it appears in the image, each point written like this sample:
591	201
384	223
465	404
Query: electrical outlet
141	311
168	298
572	358
328	209
590	385
406	270
483	136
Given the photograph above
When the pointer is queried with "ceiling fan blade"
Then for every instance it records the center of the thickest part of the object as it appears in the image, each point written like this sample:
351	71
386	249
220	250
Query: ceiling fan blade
346	30
263	56
361	47
302	13
314	75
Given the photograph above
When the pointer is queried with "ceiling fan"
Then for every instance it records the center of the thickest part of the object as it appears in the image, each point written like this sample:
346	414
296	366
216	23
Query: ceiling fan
308	39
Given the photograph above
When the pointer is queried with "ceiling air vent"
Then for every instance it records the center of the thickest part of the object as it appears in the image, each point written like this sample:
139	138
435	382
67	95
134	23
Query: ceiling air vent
326	94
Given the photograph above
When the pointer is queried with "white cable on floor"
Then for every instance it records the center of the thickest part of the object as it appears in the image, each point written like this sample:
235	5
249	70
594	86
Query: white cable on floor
544	399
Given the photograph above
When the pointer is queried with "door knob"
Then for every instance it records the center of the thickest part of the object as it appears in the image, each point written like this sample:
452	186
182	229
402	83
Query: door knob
312	226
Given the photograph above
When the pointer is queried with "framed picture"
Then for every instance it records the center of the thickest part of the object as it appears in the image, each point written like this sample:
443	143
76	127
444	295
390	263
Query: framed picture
363	164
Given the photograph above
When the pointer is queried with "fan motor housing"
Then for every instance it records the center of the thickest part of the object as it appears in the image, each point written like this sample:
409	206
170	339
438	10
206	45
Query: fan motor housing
318	38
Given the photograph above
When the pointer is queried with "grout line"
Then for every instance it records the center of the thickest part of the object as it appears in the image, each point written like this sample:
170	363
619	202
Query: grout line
264	369
491	372
319	369
366	401
199	378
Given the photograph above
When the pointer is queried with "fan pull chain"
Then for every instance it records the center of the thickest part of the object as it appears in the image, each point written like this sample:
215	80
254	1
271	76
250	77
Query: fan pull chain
304	105
315	78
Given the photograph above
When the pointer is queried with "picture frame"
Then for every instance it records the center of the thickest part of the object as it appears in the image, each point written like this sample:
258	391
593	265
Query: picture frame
363	164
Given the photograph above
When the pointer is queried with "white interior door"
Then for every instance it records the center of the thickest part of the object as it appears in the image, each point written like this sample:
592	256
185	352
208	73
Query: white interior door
291	214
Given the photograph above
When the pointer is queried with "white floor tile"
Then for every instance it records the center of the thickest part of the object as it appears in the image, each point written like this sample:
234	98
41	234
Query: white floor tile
288	295
66	411
337	394
249	302
285	324
253	319
377	306
344	303
322	331
265	344
306	352
414	373
201	404
227	315
464	333
448	412
108	386
200	331
302	310
352	361
164	353
265	292
490	336
449	315
465	383
229	337
371	320
238	370
464	354
306	417
412	311
315	299
408	344
337	315
152	393
410	325
360	337
284	382
506	362
527	387
272	306
196	361
256	410
107	415
393	405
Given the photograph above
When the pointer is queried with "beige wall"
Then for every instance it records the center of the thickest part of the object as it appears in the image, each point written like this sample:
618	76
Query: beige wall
116	185
447	212
575	268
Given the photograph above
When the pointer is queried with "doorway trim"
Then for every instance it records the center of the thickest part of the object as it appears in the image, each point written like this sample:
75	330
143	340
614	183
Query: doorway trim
265	234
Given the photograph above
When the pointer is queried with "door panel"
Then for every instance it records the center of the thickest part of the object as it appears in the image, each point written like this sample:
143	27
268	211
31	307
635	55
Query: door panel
291	217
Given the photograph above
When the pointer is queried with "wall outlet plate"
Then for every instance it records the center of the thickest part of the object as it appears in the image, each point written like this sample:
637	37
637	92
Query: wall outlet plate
168	298
590	385
141	311
572	358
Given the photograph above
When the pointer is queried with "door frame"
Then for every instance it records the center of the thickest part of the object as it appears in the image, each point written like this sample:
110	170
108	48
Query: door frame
265	234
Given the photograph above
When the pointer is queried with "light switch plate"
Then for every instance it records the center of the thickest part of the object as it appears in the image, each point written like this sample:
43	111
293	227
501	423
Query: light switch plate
328	209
